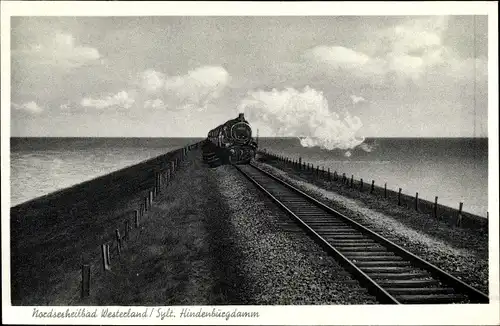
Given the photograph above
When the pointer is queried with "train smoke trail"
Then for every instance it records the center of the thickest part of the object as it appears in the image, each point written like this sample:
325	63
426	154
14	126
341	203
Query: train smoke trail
304	114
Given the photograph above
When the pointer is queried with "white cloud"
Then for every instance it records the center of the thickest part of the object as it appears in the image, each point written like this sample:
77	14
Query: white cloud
337	56
60	51
406	65
356	99
193	91
196	89
154	104
120	99
151	80
30	107
410	50
65	106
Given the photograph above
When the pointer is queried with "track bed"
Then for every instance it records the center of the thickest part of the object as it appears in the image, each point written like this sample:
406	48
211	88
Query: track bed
391	273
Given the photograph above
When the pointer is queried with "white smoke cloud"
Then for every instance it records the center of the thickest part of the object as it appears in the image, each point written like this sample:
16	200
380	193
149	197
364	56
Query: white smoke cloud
368	147
304	114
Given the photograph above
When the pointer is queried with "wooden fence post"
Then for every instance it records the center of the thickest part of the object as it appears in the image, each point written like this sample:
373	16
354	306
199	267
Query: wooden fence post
85	280
435	210
105	260
118	241
385	190
399	197
361	184
373	187
108	256
459	217
136	219
416	202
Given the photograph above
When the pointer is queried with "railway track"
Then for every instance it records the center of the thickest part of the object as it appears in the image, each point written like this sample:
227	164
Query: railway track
388	271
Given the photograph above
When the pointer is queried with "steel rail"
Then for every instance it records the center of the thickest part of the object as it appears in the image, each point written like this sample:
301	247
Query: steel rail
473	294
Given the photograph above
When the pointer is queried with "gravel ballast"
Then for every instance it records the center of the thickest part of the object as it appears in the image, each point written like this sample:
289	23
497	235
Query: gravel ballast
281	264
468	263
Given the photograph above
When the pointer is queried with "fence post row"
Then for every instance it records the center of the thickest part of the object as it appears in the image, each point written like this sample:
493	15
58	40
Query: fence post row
143	207
300	164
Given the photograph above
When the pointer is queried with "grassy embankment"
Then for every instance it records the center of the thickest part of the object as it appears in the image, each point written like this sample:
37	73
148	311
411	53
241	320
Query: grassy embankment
175	256
182	254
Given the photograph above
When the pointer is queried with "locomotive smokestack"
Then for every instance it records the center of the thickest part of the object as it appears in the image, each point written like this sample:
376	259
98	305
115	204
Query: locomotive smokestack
241	116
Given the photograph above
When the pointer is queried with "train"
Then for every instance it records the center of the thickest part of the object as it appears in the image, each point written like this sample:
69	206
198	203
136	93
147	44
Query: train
230	143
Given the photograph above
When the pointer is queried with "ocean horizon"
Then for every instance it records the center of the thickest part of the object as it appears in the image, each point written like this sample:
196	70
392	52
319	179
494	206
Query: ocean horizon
453	168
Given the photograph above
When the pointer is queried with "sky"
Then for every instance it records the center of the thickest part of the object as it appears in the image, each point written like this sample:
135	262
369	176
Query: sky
336	78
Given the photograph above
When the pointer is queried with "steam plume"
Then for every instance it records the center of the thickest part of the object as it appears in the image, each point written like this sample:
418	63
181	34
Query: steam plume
304	114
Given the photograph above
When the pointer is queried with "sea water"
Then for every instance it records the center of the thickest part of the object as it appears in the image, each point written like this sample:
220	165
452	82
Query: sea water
42	165
454	169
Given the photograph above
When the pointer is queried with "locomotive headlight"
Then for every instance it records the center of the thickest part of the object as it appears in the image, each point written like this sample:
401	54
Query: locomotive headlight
241	132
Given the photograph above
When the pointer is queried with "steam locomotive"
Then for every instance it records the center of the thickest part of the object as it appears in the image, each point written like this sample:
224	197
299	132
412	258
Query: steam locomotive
230	143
